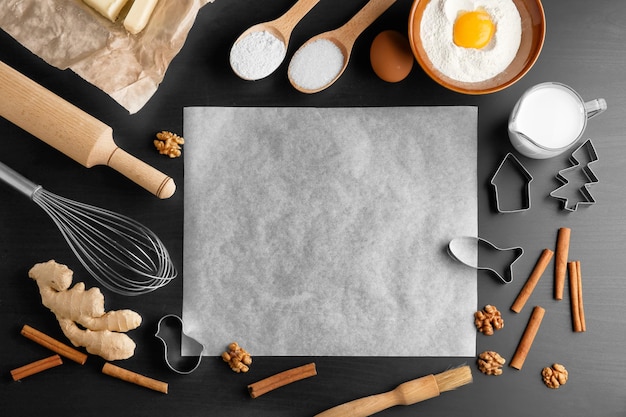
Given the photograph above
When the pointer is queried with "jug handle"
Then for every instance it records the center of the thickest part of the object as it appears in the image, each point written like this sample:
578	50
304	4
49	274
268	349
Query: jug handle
595	107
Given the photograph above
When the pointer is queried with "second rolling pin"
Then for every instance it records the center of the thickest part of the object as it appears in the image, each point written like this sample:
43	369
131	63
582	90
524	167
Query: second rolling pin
72	131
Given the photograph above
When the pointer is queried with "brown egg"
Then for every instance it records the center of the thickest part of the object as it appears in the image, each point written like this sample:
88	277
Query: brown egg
391	56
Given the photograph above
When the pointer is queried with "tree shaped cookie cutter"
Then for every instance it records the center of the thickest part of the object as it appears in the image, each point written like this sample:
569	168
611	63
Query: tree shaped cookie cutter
524	175
170	331
585	194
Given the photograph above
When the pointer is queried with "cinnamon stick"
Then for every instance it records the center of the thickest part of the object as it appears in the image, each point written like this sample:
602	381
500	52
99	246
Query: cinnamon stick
53	344
573	291
281	379
134	378
527	338
560	261
36	367
532	280
581	307
576	297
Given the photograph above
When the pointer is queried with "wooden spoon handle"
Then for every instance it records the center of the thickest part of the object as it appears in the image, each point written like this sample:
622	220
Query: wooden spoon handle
351	30
285	23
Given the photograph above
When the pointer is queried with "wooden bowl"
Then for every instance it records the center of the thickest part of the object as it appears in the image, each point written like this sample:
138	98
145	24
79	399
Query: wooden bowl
533	35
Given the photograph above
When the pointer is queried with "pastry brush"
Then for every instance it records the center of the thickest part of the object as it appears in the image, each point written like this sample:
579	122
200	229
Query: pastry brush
408	393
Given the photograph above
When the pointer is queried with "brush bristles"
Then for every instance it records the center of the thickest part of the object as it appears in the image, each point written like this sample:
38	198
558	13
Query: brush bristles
454	378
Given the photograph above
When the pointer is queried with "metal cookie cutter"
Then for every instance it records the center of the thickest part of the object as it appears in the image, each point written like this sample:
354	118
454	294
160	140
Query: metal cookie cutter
522	173
465	249
170	331
584	194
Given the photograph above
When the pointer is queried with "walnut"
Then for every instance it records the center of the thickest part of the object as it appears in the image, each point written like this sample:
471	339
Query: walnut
488	320
490	363
554	376
168	143
237	357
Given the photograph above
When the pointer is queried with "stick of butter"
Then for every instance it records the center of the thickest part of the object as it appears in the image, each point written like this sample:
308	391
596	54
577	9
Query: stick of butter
138	15
107	8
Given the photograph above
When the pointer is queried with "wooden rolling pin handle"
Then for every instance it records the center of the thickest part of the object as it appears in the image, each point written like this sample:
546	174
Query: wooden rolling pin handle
141	173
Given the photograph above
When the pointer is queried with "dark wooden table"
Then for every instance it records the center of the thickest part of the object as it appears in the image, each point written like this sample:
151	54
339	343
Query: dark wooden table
584	48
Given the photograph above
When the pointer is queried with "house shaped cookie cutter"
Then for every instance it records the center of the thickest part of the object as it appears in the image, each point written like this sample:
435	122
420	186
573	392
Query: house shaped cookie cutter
524	175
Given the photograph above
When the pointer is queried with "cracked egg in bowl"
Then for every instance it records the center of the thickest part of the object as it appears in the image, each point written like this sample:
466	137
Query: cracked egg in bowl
476	46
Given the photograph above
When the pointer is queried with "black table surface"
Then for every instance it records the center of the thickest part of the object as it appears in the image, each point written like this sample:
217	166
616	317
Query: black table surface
584	48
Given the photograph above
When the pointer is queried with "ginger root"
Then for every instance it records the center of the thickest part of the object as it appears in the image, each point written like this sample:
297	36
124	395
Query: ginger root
81	313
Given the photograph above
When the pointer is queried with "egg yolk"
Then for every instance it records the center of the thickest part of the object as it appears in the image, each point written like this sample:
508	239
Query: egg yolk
473	29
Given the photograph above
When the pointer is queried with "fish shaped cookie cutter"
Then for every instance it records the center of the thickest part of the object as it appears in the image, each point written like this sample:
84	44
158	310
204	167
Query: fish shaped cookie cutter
465	250
586	197
170	330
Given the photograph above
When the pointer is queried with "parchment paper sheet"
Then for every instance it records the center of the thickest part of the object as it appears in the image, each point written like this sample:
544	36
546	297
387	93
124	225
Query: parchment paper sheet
323	232
69	34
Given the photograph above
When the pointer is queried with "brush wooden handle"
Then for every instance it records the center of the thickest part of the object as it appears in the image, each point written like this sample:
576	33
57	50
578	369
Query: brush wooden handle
72	131
407	393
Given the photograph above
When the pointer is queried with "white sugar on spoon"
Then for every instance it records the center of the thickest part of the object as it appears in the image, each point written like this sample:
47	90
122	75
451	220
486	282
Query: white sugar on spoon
321	60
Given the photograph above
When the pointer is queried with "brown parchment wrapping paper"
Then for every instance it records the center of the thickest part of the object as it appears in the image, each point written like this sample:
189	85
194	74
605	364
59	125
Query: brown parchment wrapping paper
69	34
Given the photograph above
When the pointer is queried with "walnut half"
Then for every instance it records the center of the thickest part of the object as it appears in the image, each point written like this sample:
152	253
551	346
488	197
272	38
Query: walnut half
554	376
490	363
488	320
168	143
237	357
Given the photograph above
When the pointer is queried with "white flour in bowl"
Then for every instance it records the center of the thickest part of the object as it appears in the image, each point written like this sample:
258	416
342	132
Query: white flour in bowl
470	64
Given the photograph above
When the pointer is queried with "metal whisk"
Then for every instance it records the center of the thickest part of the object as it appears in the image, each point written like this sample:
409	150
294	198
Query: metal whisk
122	254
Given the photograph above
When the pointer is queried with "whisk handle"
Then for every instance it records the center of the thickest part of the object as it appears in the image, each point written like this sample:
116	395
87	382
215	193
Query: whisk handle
17	181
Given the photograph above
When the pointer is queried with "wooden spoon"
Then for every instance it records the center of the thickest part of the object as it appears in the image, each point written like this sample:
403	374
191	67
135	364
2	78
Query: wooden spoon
344	38
281	27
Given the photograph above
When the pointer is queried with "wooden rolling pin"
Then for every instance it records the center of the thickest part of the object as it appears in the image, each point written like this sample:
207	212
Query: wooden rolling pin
67	128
